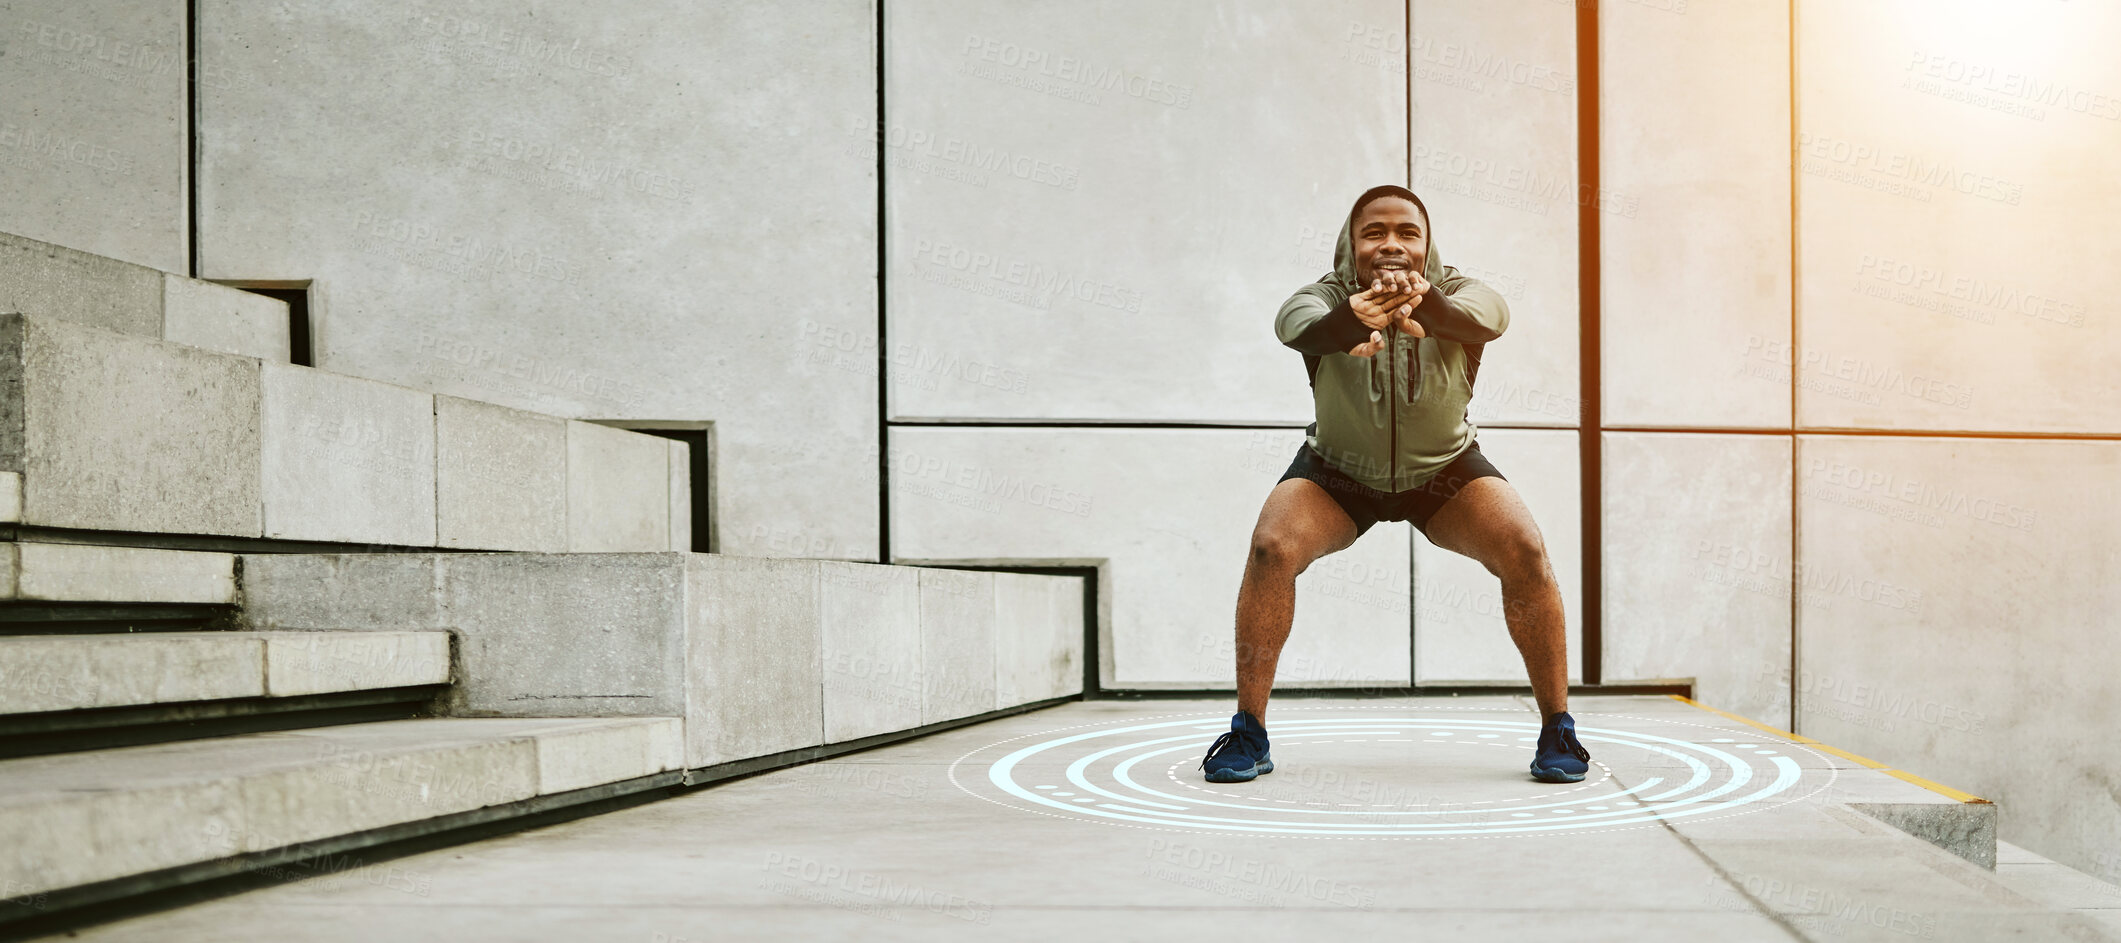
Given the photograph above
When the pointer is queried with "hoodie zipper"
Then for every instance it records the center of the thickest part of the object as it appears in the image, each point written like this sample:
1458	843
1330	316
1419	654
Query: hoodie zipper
1392	396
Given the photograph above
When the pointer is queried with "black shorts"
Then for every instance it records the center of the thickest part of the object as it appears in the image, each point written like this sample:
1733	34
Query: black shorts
1366	505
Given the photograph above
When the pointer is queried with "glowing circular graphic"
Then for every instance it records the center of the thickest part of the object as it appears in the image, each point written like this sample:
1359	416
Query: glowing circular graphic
1388	773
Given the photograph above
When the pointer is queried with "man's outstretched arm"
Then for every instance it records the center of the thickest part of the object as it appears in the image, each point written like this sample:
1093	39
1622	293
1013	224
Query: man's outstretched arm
1308	324
1354	326
1462	309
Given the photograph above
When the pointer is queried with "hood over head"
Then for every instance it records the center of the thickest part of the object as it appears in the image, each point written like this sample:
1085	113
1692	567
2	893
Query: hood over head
1343	277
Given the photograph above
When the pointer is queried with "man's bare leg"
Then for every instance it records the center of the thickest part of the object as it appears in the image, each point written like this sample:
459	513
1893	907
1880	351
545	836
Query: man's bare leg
1487	521
1298	524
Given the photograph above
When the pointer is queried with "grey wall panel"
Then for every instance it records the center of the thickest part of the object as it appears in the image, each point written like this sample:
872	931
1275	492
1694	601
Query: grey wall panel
1955	195
1095	209
1694	112
1698	566
1494	160
1459	630
92	127
1169	514
1958	621
639	212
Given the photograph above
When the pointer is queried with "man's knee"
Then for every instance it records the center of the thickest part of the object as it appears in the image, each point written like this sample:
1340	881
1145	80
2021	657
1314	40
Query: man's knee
1277	551
1522	555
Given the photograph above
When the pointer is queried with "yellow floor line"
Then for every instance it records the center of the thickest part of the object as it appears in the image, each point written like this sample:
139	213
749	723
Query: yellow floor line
1901	774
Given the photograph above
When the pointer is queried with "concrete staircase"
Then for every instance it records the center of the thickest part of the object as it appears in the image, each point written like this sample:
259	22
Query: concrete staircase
239	625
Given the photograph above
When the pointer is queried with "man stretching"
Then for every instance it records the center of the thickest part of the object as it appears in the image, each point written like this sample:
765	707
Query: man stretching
1392	338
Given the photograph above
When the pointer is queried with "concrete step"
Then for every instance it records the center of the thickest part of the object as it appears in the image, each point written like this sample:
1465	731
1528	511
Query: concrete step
761	656
85	573
41	673
82	818
112	431
49	280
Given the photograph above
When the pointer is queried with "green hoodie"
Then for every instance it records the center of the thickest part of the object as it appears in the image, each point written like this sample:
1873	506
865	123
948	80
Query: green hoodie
1399	441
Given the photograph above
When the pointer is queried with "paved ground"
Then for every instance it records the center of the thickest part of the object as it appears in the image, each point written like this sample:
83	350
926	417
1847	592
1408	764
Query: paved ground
1408	819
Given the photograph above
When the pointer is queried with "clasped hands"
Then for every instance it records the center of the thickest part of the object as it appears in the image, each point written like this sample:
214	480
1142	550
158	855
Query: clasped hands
1387	305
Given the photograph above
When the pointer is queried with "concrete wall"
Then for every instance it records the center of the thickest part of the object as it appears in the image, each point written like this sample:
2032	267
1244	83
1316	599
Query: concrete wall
1494	159
656	212
1166	516
1459	631
1698	566
1694	128
1937	602
1086	222
93	132
1957	610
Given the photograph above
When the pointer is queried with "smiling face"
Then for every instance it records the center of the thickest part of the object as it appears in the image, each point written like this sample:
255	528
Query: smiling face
1391	234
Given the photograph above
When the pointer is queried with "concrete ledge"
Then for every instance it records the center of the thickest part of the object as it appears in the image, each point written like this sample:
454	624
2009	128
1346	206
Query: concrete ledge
40	673
115	432
754	658
105	431
58	672
53	281
50	280
1966	829
872	630
230	320
1038	637
10	497
347	459
957	644
299	663
500	478
84	817
618	489
1954	820
88	573
681	497
759	655
575	754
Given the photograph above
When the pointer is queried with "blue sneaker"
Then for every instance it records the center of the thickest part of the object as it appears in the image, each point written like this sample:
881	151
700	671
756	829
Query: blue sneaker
1240	755
1561	759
